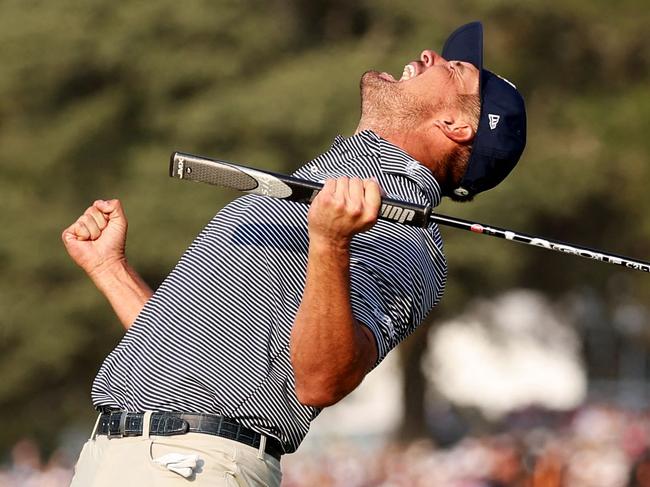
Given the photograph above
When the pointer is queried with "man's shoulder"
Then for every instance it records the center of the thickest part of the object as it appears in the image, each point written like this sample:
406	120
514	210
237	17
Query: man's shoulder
366	155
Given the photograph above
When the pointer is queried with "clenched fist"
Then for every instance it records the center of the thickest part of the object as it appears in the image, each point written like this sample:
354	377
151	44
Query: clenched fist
344	207
98	237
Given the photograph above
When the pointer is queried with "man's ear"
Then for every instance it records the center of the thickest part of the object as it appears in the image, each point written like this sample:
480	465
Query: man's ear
457	130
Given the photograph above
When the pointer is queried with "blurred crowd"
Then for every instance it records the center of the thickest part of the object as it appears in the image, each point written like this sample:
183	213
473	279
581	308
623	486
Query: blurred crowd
597	446
26	467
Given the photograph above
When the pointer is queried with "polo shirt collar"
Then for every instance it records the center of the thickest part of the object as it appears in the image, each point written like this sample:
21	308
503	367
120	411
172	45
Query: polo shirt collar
393	160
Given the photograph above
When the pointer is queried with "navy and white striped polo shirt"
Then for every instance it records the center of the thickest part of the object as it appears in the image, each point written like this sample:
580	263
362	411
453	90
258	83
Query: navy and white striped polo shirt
214	338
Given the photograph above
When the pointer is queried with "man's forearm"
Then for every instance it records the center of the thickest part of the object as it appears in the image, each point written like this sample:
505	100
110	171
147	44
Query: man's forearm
125	290
330	351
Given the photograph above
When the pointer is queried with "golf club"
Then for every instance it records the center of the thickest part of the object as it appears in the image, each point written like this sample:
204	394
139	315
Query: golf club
242	178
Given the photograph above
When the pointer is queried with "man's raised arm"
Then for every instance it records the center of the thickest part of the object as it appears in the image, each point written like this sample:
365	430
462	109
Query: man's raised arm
96	243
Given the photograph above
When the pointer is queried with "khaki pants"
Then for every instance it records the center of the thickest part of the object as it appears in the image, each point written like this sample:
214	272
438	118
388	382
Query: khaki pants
130	461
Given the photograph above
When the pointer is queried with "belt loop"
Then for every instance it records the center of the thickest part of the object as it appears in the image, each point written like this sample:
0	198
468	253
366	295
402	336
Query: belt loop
262	448
94	432
123	422
146	424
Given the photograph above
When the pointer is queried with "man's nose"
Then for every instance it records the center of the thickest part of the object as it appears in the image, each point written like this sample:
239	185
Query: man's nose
429	58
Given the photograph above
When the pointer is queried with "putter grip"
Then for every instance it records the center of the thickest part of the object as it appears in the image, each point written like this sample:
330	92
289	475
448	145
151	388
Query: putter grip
221	173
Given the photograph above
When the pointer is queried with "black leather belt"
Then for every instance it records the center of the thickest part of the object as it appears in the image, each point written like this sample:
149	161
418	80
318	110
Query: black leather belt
117	424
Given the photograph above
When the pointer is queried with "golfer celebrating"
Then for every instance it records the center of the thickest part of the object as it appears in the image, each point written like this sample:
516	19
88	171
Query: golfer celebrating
277	309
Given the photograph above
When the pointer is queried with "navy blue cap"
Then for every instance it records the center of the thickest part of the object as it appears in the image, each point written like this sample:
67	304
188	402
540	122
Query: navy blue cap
501	135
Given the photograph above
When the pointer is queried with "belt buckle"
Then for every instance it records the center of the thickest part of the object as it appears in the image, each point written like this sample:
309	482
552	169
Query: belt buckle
115	424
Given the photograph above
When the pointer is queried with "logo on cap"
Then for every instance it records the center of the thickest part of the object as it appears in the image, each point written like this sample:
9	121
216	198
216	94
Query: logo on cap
494	120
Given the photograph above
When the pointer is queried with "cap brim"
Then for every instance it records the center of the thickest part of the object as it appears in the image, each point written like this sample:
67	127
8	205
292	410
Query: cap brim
465	44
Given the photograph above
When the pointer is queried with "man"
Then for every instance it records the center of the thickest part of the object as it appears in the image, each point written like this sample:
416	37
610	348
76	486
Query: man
277	310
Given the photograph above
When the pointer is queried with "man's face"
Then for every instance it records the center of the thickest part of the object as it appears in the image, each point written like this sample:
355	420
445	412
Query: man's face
426	85
433	73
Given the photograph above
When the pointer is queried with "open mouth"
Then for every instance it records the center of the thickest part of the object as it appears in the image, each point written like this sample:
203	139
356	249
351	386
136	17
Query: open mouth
410	71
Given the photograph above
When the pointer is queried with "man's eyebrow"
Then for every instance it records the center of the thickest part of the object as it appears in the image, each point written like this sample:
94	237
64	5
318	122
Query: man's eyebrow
462	66
465	70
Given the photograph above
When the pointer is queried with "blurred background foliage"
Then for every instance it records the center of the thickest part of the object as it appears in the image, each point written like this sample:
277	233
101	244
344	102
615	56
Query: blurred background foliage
95	95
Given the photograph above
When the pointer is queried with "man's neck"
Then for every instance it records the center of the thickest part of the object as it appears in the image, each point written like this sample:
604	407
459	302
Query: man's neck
424	148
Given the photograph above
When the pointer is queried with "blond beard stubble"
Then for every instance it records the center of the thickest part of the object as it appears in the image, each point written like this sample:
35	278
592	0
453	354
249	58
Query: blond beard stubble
386	108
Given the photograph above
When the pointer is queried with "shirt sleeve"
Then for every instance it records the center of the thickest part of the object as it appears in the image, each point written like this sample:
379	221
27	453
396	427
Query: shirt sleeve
396	279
